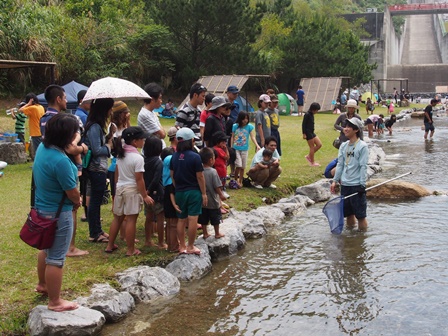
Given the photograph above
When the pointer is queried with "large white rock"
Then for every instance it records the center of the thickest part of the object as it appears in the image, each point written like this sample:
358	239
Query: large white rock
270	215
189	267
78	322
228	245
113	304
146	283
251	225
318	191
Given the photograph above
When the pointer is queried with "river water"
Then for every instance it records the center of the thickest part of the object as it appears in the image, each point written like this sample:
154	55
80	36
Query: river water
301	280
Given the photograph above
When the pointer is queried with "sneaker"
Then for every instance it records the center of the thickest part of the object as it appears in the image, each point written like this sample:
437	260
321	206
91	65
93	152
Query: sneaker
226	195
273	186
258	186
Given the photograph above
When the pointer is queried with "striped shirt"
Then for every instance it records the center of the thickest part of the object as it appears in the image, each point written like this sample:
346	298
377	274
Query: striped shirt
20	122
189	116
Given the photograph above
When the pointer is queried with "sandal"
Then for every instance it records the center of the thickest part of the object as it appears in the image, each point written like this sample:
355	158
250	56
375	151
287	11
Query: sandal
99	239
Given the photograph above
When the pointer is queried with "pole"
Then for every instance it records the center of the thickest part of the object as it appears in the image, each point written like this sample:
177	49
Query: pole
379	184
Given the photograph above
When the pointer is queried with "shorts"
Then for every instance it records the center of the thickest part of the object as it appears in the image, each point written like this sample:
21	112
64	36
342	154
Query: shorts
429	127
310	136
155	208
168	207
368	121
355	205
189	202
130	203
56	253
241	159
300	103
212	216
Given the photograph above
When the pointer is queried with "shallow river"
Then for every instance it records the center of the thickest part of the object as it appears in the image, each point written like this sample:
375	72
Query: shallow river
301	280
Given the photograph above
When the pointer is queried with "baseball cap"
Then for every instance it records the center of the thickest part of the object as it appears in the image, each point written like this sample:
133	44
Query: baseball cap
356	122
184	134
172	132
274	98
265	98
233	89
220	136
218	102
134	133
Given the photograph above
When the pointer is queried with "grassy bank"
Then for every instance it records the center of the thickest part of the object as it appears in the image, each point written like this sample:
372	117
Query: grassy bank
18	261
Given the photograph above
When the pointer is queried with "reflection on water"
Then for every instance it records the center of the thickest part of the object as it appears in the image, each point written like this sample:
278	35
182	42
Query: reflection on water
301	280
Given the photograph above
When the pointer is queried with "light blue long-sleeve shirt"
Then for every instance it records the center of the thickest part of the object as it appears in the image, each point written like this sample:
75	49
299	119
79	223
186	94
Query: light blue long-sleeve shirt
352	164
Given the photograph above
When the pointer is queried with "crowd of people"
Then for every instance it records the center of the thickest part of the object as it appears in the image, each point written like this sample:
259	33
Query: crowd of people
182	183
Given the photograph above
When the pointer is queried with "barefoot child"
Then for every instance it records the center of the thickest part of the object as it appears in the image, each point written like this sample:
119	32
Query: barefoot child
241	132
131	192
153	181
188	178
169	201
211	212
308	133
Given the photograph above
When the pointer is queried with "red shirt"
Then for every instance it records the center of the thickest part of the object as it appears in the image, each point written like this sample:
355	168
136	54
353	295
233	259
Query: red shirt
220	162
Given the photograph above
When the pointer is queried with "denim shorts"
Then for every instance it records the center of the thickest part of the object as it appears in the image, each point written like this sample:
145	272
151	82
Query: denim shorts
56	253
189	202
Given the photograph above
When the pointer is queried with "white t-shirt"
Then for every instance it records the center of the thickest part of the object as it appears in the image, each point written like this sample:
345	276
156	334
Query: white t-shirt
150	123
127	167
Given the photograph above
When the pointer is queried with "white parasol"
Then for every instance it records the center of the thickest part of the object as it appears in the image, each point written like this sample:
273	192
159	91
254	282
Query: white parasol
116	88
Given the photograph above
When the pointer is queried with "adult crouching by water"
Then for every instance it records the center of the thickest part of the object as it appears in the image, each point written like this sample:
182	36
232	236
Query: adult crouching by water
55	177
264	173
100	145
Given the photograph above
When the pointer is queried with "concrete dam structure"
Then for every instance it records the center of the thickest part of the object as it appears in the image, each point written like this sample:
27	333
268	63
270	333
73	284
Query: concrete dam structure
418	54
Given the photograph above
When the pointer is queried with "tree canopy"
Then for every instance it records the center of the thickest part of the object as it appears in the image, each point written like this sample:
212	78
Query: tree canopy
174	42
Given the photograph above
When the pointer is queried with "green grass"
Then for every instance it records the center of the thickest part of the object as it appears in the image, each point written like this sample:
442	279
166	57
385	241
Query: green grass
18	261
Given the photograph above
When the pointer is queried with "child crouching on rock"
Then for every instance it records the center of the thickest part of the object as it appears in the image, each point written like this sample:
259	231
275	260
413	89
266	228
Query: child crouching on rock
212	211
131	192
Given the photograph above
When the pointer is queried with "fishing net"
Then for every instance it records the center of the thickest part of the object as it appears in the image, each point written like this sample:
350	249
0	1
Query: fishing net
334	210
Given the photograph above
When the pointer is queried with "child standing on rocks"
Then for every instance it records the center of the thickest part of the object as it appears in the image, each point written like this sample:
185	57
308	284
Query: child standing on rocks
211	212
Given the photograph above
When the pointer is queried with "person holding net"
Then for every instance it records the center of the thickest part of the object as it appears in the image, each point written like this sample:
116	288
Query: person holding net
351	173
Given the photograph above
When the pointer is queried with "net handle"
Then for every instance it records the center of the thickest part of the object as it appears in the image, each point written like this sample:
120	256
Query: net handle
379	184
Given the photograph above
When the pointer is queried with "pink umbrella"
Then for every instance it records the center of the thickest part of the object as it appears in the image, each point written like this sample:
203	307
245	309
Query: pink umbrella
116	88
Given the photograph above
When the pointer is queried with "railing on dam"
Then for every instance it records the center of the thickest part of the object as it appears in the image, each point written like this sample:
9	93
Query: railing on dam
418	9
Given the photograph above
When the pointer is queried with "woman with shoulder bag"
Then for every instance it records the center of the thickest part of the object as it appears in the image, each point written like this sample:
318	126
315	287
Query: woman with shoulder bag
55	178
100	146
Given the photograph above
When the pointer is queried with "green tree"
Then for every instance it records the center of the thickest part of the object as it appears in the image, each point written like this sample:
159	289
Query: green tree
211	36
318	47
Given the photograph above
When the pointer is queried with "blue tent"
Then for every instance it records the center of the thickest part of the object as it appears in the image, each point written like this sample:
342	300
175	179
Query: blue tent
71	90
244	104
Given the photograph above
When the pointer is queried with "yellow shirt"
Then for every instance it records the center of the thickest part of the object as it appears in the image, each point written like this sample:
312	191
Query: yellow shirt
34	113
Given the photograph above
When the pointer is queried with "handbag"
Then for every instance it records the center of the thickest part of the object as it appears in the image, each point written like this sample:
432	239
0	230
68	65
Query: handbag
40	232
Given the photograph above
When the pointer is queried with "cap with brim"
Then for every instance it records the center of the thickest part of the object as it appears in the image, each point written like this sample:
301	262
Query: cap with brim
265	98
233	89
356	122
134	133
218	102
172	132
220	136
352	103
184	134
